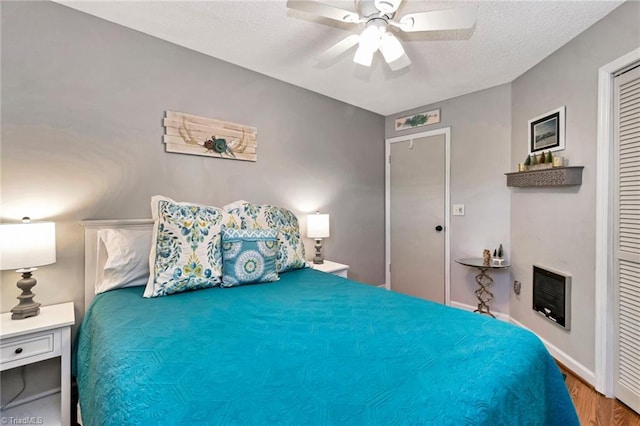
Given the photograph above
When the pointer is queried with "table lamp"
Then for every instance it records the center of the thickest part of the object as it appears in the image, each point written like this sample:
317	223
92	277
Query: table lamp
318	228
22	247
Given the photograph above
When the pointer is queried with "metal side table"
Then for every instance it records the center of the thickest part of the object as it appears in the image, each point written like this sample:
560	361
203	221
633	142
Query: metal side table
484	281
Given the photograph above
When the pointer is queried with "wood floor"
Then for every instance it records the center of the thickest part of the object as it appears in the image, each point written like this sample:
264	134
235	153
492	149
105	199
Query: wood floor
595	409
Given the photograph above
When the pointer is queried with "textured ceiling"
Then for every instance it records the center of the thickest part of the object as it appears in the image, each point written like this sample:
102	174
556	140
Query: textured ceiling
264	36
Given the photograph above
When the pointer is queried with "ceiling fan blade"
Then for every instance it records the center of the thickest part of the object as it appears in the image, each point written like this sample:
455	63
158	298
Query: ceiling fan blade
325	10
339	48
387	6
439	20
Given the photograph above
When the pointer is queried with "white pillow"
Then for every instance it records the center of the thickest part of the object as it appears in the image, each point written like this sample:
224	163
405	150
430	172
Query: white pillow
127	262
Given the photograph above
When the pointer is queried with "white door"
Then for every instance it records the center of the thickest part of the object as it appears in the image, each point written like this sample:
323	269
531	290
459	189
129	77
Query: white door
417	215
627	222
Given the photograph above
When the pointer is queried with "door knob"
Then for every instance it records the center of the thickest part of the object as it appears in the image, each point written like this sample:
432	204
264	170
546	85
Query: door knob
439	228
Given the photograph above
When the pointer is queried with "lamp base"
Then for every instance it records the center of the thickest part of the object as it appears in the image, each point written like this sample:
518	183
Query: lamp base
22	312
319	258
27	307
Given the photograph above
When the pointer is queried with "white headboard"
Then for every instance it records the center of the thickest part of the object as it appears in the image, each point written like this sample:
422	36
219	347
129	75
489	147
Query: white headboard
95	254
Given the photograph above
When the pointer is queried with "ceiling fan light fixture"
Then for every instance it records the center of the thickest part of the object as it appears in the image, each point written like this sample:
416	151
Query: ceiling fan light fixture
387	6
363	56
402	62
391	48
370	38
378	15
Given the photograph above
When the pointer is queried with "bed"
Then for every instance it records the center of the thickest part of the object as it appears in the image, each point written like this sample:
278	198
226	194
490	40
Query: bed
312	348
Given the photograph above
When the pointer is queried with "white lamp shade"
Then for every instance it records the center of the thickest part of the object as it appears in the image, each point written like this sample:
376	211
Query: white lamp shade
401	62
318	225
391	48
25	245
363	57
370	38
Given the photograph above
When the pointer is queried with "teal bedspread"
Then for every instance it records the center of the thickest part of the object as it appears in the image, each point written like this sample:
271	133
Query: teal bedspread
311	349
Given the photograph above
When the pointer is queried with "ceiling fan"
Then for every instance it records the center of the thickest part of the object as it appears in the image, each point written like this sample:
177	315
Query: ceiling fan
379	19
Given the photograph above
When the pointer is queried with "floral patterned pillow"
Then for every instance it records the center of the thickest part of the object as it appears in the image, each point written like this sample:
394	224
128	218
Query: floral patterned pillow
249	256
186	251
291	253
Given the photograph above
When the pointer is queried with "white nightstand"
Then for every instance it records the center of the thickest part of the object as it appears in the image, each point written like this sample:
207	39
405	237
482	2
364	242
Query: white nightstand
334	268
35	339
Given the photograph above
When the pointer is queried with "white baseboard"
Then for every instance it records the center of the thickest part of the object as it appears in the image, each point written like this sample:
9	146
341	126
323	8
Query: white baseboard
34	397
580	370
499	315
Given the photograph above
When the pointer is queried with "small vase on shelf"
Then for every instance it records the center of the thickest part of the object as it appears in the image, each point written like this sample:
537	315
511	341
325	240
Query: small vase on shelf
497	258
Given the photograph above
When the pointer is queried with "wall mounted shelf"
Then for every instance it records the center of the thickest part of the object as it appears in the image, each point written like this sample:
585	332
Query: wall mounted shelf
557	176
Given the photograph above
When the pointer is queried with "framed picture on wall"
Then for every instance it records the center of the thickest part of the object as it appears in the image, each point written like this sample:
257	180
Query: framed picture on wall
546	132
417	120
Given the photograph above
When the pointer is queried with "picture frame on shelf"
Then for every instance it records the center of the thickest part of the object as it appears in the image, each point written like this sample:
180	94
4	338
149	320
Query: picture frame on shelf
546	131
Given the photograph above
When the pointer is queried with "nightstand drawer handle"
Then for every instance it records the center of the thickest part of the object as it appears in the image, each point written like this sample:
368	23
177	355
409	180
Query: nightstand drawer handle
18	350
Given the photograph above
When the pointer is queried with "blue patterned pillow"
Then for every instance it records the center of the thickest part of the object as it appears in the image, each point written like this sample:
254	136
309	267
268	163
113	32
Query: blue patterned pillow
185	246
249	256
291	253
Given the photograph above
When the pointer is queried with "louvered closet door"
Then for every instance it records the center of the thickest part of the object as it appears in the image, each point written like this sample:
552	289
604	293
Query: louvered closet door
627	292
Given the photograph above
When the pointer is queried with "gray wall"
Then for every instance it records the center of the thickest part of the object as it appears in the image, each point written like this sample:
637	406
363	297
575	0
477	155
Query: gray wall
480	141
555	227
552	227
82	107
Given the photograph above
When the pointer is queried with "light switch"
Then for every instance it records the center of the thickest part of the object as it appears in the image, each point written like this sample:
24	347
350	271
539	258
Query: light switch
458	209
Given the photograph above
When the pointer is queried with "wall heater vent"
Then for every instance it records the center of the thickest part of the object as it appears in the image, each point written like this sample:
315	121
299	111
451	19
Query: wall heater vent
552	295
